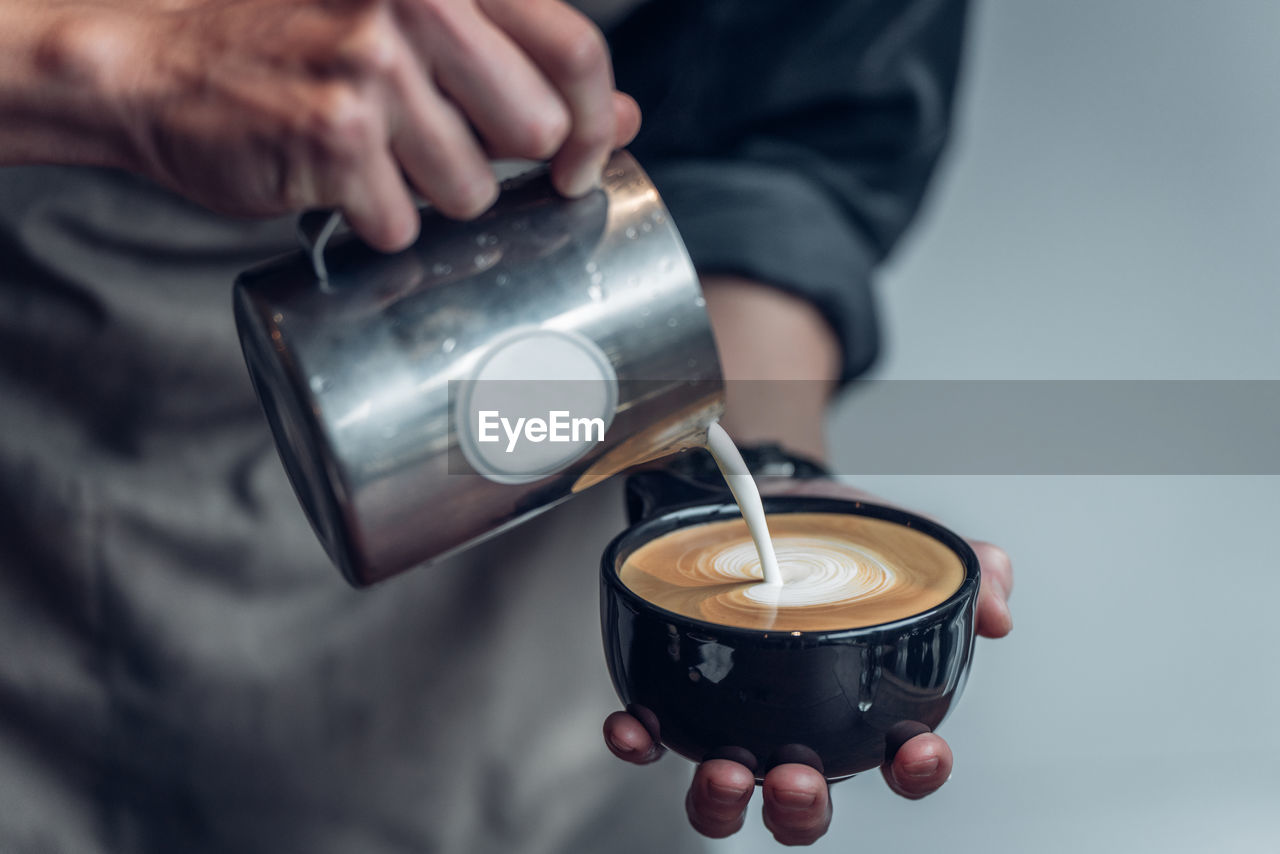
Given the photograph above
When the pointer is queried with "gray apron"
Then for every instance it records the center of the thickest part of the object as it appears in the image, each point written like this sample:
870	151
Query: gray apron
180	668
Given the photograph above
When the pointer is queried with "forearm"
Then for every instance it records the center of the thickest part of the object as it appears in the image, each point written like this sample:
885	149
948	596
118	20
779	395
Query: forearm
55	102
781	360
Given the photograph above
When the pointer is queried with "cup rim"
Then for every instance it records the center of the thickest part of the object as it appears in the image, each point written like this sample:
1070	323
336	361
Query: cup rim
701	512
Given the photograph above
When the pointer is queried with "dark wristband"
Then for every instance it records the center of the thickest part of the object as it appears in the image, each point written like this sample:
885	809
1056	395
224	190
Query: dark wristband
692	477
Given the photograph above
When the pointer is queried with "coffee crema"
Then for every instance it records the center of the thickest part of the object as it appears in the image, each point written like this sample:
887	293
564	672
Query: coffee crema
841	571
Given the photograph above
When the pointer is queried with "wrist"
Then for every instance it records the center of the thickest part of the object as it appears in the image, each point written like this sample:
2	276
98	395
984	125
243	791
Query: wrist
780	361
61	74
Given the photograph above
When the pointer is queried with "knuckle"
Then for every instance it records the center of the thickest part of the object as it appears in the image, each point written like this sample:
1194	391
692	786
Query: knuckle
466	200
581	52
540	135
78	49
593	131
371	49
993	557
592	135
342	125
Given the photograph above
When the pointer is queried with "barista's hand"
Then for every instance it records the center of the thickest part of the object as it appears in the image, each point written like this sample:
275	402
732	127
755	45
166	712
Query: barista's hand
797	805
264	107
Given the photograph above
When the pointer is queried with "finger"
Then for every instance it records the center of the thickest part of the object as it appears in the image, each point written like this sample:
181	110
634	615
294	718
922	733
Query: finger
437	150
718	797
920	766
995	620
352	169
629	740
573	55
504	95
797	805
378	205
995	563
626	119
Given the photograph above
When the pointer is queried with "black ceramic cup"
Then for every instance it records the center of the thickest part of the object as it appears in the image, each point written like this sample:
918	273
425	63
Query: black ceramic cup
841	701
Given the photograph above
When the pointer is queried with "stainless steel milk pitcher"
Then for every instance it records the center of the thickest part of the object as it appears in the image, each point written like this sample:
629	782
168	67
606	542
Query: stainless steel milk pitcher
413	396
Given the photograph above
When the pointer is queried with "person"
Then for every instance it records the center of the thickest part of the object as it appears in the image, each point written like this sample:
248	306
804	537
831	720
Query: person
181	669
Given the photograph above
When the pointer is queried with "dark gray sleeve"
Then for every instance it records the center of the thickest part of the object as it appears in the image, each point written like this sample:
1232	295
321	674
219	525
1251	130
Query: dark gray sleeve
793	141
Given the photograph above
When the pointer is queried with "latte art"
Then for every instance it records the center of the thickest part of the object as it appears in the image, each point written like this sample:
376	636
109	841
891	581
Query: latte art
839	571
815	571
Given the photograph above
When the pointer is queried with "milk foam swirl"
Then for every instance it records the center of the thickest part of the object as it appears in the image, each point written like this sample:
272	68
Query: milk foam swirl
815	571
842	571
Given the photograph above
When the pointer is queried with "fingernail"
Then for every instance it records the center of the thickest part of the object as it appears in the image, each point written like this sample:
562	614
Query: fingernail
619	746
722	794
794	800
921	768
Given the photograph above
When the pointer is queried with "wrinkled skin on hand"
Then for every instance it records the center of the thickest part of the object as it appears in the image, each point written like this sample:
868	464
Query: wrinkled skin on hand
266	107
